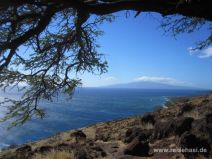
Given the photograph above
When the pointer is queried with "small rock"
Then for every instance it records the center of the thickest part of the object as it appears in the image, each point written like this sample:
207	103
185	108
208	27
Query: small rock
79	136
63	146
103	136
183	124
209	118
80	153
172	127
186	107
24	152
132	133
190	141
164	129
99	151
43	149
103	154
137	148
148	118
24	149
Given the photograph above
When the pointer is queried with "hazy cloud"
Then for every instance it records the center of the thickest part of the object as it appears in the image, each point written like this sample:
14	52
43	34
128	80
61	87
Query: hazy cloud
191	50
167	80
110	78
206	53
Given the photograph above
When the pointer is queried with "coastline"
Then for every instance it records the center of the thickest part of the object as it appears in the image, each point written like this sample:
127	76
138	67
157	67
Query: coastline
166	99
89	106
133	137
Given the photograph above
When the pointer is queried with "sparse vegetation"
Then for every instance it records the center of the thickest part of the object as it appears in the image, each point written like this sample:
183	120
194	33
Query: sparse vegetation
55	154
193	114
147	126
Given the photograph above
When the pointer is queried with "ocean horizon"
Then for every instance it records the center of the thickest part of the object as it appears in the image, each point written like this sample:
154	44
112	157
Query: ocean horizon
88	106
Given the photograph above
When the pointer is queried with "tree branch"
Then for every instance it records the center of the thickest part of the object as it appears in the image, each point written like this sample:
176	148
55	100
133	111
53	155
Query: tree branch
192	8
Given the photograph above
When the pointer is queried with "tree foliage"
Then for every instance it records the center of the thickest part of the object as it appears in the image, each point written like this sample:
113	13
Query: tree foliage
60	41
177	25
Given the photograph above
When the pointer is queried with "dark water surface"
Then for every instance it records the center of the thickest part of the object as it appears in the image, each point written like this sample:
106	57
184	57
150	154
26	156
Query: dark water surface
88	106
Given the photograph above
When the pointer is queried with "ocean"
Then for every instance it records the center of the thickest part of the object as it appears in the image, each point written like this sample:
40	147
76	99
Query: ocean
87	106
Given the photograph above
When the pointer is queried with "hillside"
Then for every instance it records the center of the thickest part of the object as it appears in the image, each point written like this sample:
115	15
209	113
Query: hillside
184	127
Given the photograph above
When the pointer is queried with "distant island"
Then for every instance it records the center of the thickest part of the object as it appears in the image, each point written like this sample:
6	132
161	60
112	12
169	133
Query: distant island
151	85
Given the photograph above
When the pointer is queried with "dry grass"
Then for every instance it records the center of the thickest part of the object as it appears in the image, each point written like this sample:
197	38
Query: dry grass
193	114
54	140
90	133
1	156
8	153
55	155
147	126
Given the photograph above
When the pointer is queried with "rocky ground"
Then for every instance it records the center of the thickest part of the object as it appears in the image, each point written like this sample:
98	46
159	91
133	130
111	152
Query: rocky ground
186	124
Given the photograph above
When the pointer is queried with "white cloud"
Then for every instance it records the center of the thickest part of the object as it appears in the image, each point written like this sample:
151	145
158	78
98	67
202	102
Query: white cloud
167	80
110	78
206	53
191	50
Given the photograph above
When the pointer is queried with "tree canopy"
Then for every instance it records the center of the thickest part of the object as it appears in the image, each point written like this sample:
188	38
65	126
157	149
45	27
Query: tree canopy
60	37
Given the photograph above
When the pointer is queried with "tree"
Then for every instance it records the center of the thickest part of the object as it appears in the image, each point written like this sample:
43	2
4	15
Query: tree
61	40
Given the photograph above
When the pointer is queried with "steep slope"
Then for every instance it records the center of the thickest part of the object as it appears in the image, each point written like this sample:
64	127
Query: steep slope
182	130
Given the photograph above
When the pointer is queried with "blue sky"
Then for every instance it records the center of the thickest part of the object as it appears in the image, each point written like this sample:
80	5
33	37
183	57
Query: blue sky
137	49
